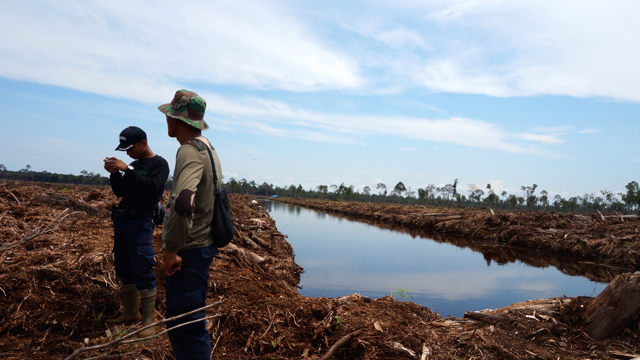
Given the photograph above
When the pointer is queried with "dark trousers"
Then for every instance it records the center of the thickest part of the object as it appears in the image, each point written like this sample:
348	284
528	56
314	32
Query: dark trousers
133	252
186	291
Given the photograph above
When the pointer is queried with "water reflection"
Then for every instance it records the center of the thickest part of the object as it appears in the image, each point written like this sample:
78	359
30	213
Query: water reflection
450	276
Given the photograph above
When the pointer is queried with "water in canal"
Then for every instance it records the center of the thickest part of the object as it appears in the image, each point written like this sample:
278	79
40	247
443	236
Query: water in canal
341	257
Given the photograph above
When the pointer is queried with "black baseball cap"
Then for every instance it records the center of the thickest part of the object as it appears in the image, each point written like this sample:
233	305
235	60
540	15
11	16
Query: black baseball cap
130	136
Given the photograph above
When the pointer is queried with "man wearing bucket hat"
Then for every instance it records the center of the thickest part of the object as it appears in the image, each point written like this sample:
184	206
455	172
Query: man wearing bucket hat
186	238
140	185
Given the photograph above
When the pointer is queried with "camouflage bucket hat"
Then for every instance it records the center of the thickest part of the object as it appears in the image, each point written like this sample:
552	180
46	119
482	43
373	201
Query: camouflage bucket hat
188	107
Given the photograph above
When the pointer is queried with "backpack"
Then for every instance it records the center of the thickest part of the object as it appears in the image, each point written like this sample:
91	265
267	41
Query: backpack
222	228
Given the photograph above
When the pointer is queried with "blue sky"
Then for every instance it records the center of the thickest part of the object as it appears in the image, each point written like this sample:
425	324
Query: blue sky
509	93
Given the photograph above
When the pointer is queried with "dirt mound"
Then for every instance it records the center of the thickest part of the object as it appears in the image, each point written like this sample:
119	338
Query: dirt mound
57	288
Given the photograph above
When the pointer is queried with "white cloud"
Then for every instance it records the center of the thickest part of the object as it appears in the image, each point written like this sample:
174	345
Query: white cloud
526	48
143	49
280	119
510	48
543	138
588	131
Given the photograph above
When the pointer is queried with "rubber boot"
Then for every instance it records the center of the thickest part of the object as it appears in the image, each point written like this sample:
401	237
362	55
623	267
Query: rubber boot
148	315
131	312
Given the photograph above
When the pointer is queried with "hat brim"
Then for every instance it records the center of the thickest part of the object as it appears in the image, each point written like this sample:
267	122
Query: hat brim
123	147
167	109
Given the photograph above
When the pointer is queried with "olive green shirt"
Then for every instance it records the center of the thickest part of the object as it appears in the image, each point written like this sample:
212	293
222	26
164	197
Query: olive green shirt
193	172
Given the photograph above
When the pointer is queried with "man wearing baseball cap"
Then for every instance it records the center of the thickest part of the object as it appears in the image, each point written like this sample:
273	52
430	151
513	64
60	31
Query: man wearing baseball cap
186	235
140	185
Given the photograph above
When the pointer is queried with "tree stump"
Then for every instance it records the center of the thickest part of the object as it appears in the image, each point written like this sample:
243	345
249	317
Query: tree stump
617	306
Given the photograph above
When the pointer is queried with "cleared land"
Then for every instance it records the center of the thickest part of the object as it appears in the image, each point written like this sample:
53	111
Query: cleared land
57	288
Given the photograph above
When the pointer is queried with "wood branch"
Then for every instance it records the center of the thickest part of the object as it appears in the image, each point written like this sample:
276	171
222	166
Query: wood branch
30	235
548	231
601	216
622	355
250	243
486	317
246	346
170	329
255	257
106	356
425	352
340	343
259	240
398	346
76	204
447	218
14	197
622	217
122	340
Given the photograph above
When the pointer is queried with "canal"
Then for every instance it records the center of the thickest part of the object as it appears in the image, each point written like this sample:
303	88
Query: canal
341	257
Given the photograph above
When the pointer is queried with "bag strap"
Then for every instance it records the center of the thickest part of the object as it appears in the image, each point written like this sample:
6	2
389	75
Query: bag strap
216	185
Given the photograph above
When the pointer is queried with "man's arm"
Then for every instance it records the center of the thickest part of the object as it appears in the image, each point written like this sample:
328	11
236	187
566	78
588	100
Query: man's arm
115	179
179	216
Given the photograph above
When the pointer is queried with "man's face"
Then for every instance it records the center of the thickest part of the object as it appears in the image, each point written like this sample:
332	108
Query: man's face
172	126
137	150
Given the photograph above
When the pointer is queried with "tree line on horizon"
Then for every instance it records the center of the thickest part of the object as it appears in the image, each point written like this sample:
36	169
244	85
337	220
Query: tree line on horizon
84	178
607	202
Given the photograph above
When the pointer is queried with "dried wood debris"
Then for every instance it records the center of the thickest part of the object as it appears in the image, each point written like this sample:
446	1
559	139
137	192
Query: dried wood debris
57	289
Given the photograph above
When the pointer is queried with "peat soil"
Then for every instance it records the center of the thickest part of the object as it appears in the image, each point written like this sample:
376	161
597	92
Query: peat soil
58	286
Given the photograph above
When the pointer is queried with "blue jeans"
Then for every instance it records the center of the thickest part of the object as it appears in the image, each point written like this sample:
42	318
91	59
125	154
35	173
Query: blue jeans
186	290
133	252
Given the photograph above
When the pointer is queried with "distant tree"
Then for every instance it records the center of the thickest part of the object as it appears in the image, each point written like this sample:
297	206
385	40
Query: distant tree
411	194
366	191
399	189
430	191
632	197
382	189
544	198
2	167
557	201
447	191
512	201
475	193
492	199
529	197
455	187
323	189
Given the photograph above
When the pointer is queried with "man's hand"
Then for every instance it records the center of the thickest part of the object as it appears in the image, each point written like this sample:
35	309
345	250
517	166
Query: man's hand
172	263
112	164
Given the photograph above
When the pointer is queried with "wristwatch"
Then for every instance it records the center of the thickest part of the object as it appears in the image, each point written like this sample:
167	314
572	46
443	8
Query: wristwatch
129	168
